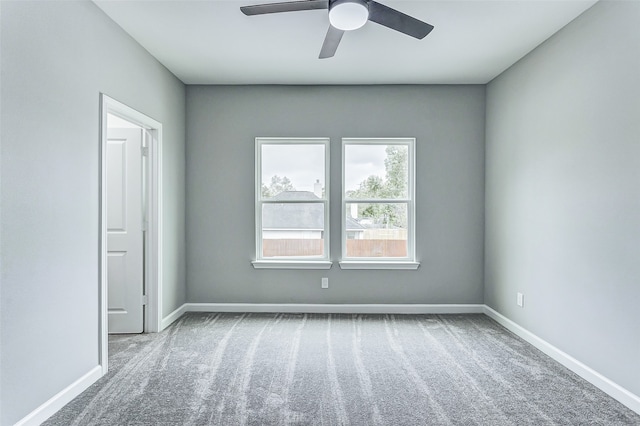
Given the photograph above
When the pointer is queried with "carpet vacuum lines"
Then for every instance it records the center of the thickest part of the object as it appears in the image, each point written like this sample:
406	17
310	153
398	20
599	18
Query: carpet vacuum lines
264	369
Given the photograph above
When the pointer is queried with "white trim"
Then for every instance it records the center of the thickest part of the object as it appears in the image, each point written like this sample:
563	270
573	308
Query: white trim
154	242
355	264
153	236
606	385
62	398
173	316
103	319
291	264
347	308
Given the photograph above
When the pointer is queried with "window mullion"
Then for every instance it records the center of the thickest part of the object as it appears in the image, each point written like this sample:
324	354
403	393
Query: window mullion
377	200
318	201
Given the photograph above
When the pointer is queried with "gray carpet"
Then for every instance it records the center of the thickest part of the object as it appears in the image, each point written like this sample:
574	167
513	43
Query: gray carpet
313	369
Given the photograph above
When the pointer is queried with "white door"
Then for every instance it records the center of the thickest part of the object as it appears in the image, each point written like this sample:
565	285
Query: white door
124	230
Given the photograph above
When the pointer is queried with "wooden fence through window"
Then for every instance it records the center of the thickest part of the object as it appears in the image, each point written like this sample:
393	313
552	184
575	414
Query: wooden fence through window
292	247
314	247
376	248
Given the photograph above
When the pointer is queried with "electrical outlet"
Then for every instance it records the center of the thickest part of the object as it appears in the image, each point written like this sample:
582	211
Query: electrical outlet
325	283
520	300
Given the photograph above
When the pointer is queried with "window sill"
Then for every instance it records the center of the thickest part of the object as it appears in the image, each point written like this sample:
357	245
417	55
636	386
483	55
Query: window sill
373	264
291	264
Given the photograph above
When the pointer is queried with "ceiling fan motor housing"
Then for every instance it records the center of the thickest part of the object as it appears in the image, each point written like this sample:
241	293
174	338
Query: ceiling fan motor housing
348	15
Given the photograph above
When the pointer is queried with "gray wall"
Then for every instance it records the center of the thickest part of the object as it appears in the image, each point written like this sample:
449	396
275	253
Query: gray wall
56	59
563	191
222	123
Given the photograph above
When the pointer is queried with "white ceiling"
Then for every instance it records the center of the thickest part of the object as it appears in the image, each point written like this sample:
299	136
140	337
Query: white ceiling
212	42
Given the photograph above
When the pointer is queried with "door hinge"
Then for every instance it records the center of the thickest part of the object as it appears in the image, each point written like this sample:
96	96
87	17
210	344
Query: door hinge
145	299
144	225
145	151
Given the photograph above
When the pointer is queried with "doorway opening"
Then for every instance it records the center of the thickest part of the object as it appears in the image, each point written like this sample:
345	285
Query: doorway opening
123	129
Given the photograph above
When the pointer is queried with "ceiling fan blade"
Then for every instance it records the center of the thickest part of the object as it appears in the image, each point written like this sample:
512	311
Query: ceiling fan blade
391	18
331	42
289	6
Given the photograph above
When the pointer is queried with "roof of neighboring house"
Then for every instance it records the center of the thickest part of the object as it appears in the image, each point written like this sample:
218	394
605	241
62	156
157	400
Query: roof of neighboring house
353	225
295	195
293	215
307	216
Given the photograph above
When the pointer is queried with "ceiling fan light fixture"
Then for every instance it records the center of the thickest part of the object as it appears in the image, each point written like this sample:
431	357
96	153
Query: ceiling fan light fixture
348	15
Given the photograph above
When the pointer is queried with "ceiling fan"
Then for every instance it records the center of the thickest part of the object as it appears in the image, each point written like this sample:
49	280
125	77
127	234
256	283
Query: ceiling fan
347	15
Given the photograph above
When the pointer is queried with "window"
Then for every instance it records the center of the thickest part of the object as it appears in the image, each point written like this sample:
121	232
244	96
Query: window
292	203
378	207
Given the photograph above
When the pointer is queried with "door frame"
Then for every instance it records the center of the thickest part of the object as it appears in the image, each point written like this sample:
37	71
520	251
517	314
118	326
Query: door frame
153	235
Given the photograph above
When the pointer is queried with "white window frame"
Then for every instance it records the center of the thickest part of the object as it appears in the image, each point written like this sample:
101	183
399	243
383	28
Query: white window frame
260	262
408	262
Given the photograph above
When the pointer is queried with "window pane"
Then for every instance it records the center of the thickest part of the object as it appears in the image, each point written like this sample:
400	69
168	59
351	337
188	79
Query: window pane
292	230
375	171
293	168
376	230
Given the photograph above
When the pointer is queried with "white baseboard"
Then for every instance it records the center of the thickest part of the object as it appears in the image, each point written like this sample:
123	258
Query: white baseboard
62	398
611	388
352	308
172	317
